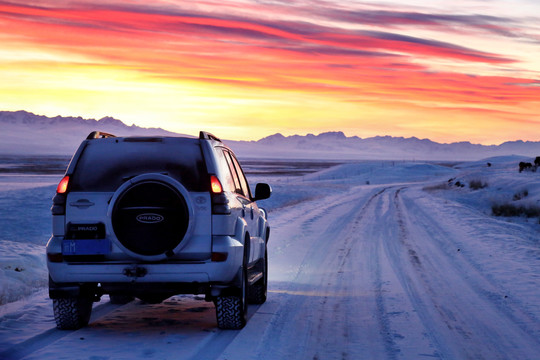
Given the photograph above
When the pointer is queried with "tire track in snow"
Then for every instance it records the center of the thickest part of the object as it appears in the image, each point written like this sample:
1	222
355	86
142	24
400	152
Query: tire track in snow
401	333
403	261
449	294
340	307
490	287
314	305
388	333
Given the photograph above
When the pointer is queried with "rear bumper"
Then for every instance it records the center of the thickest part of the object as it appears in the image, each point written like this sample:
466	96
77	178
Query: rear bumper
135	271
144	273
91	290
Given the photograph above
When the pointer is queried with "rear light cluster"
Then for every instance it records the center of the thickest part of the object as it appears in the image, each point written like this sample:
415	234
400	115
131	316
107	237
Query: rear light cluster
63	185
59	200
220	203
215	184
220	206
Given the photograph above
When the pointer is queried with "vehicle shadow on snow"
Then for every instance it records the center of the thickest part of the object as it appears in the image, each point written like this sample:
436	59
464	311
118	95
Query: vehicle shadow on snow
180	327
181	312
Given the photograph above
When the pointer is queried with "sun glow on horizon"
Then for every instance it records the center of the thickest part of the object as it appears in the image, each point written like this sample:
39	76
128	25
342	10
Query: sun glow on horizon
365	69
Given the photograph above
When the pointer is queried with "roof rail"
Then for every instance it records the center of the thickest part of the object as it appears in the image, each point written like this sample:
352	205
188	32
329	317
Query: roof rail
207	136
99	135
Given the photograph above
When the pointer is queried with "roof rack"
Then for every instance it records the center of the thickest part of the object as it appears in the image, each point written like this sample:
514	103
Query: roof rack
99	135
207	136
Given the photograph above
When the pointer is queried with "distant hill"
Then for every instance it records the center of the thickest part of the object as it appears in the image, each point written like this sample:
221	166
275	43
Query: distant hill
335	145
26	133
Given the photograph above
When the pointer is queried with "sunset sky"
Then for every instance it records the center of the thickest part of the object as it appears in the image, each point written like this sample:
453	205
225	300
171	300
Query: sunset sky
445	70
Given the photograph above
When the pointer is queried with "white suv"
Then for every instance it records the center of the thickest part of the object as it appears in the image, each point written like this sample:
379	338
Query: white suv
152	217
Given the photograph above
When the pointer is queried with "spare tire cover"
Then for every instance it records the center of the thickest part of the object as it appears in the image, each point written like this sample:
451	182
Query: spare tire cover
150	218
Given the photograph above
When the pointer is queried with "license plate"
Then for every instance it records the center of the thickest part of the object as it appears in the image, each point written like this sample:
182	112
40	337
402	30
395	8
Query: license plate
86	247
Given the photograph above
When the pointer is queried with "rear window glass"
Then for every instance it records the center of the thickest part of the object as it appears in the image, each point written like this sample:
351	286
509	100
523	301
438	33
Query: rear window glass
105	164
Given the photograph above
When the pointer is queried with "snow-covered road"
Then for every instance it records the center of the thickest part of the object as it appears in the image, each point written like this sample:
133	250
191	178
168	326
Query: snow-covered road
367	272
395	273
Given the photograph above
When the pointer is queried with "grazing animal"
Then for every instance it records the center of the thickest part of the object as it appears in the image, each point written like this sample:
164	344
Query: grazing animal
524	166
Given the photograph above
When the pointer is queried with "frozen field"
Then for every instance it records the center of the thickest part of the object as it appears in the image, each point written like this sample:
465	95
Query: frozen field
370	260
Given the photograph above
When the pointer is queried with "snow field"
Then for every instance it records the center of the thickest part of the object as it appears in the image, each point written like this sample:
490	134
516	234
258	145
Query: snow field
385	270
504	184
25	202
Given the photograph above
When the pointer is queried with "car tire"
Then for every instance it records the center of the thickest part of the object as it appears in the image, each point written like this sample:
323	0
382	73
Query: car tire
258	291
231	309
72	313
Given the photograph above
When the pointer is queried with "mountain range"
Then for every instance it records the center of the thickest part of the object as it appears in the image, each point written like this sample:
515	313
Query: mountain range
26	133
332	145
29	134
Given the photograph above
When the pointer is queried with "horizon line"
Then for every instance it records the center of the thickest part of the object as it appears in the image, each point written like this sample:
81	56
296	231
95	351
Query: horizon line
306	134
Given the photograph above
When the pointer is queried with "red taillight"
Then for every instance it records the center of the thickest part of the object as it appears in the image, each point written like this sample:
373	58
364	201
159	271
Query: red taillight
220	202
215	185
62	187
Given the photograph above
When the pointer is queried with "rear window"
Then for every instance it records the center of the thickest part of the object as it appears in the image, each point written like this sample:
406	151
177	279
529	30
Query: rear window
105	164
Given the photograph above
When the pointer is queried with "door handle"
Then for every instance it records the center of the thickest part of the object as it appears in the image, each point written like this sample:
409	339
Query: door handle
82	203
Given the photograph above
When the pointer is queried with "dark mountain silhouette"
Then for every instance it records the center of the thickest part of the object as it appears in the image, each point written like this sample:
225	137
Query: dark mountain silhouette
26	133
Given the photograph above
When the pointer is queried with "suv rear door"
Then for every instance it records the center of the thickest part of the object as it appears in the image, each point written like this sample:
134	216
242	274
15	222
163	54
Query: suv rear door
251	212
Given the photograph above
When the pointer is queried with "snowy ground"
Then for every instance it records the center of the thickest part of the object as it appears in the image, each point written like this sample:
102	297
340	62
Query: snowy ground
375	260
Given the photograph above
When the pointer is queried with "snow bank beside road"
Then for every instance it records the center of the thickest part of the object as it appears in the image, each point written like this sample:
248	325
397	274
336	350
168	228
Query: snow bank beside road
25	202
289	190
383	172
500	184
22	270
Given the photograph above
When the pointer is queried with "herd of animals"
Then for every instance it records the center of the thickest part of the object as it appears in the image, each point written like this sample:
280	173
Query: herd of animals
529	166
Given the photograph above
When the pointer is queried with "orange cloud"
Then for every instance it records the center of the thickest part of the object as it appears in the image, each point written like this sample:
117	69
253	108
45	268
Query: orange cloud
230	55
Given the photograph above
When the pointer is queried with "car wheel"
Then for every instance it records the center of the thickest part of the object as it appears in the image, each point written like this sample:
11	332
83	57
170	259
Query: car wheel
231	309
72	313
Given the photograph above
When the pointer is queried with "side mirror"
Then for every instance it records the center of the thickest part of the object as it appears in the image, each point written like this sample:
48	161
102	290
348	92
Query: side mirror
262	191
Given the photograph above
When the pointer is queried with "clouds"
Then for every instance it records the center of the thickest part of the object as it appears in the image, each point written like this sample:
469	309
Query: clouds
168	21
443	21
305	48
